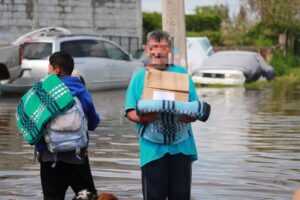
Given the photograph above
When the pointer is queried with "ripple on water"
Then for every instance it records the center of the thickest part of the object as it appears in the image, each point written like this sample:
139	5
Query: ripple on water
248	149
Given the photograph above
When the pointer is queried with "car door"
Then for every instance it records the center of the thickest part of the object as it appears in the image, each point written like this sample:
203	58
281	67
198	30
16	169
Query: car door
91	61
35	61
123	67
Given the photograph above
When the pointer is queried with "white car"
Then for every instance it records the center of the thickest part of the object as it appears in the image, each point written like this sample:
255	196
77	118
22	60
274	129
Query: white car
198	50
100	63
233	68
224	77
10	62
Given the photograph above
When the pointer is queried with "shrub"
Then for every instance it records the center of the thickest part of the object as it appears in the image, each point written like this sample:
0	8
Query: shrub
283	64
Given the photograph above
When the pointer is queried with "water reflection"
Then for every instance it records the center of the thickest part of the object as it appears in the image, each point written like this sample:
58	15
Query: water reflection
248	149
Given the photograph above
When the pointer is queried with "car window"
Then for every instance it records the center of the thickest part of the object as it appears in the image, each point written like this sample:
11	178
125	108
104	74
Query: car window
114	52
84	48
36	50
137	54
205	44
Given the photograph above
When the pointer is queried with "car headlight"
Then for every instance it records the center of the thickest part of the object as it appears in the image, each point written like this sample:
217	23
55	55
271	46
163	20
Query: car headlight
197	74
26	73
235	76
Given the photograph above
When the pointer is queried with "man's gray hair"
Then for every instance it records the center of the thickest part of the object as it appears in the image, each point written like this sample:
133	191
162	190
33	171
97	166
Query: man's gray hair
159	35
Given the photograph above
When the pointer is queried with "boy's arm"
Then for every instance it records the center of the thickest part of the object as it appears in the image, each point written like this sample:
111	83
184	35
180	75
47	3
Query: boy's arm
92	115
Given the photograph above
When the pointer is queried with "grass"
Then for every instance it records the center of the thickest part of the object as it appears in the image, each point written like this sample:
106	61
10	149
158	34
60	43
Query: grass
198	85
290	79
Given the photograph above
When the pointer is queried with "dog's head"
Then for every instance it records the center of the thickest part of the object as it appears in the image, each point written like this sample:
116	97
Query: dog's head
85	195
107	196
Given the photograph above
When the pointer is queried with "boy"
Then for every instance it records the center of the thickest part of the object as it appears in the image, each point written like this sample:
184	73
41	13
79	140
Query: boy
69	170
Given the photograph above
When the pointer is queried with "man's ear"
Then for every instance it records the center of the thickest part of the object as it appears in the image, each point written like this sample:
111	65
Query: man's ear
145	47
57	71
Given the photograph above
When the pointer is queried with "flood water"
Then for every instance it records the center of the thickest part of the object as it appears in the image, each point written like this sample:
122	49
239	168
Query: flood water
248	149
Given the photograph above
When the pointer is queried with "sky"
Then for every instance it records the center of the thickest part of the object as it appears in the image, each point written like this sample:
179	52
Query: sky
155	5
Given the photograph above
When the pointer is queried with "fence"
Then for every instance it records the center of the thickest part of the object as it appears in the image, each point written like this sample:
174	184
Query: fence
128	43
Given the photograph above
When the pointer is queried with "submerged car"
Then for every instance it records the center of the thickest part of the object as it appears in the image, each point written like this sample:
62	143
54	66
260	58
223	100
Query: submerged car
100	63
233	68
198	50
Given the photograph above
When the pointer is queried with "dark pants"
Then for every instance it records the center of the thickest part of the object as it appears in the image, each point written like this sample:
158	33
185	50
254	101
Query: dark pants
169	176
55	181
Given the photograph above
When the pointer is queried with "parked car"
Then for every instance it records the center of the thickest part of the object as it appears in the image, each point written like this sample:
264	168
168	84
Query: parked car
101	63
10	61
198	50
233	68
137	54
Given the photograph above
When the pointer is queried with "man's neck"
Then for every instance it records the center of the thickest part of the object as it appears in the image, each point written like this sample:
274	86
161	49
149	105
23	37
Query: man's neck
158	67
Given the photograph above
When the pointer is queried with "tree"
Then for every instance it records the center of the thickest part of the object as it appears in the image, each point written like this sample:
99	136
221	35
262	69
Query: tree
280	17
151	21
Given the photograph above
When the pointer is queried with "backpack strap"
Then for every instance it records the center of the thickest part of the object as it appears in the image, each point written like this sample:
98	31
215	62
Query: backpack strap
55	160
35	154
78	153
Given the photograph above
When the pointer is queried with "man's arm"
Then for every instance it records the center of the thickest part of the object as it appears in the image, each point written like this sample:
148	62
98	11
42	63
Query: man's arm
143	119
187	119
192	97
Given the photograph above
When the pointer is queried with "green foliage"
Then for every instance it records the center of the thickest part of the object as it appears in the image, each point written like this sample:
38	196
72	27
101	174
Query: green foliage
151	21
258	85
199	22
221	10
276	17
283	64
283	85
208	23
261	36
214	37
263	41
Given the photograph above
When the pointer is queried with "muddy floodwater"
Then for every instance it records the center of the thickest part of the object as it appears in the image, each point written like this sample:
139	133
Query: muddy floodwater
248	149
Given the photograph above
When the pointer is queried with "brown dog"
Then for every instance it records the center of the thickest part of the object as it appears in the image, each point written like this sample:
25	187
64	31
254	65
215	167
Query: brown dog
107	196
296	195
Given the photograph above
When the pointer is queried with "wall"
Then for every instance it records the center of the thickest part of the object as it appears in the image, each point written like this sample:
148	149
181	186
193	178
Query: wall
104	17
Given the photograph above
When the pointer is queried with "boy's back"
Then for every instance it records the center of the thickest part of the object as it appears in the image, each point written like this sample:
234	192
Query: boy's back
69	170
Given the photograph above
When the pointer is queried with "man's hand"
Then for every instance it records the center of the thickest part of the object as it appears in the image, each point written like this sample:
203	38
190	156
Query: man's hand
143	119
187	119
149	117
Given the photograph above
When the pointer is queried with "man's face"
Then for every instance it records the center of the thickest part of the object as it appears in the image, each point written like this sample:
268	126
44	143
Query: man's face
158	52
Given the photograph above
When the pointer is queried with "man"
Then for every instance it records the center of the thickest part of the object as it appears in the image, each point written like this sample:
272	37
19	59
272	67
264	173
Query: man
69	170
166	168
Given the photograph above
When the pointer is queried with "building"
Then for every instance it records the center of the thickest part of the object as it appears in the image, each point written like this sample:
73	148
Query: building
118	20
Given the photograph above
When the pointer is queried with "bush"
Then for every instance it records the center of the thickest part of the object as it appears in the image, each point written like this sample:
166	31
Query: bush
151	21
214	37
199	22
283	64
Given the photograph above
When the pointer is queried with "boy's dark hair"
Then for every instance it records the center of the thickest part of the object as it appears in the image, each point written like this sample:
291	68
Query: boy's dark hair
63	61
159	35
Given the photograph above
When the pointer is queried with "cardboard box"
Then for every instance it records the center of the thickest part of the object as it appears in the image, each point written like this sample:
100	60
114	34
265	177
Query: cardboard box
161	85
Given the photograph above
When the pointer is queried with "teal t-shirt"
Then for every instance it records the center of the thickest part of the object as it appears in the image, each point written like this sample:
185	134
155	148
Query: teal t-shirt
150	151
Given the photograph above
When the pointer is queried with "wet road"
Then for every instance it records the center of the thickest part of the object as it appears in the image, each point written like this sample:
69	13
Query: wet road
248	149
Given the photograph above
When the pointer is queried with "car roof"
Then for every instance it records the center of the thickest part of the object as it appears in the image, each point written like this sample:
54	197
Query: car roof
66	37
231	60
236	52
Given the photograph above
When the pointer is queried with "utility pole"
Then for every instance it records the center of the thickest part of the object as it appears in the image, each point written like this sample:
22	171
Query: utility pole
173	19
